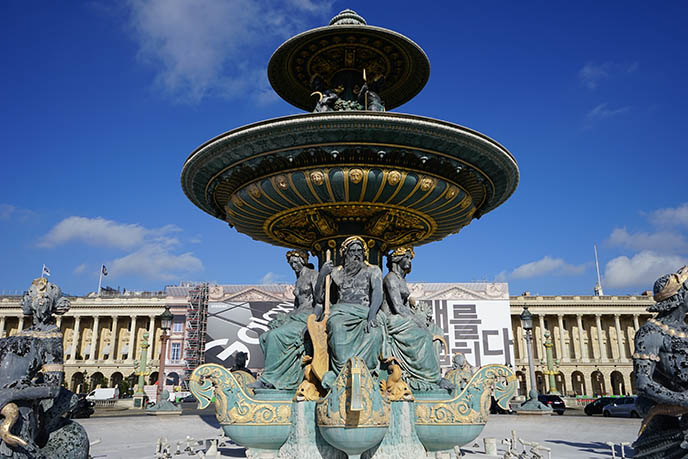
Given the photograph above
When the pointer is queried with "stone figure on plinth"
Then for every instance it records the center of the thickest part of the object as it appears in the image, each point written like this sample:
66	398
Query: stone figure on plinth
32	399
283	345
352	326
660	365
407	336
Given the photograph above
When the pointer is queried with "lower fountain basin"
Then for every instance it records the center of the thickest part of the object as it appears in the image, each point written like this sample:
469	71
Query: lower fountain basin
353	440
444	437
270	437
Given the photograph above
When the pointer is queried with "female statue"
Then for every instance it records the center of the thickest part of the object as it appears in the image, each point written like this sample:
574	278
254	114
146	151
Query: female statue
32	400
660	363
408	339
283	345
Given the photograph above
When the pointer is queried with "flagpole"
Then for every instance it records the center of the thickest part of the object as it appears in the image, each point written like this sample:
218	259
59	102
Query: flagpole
100	279
42	271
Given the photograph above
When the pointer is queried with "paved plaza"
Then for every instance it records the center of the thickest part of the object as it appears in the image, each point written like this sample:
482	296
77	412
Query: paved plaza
568	436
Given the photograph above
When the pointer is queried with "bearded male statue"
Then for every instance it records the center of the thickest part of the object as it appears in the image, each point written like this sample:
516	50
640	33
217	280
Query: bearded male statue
352	327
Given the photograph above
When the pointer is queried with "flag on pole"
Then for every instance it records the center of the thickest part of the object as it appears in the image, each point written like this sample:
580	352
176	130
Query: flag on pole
45	272
104	270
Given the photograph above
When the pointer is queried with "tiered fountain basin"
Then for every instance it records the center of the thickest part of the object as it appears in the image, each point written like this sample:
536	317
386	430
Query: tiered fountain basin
309	180
354	416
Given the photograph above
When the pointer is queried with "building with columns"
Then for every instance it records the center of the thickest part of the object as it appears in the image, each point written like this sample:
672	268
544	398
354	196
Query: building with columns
592	337
103	336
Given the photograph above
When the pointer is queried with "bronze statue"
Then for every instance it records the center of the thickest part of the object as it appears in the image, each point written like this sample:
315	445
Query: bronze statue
369	94
327	97
32	399
409	340
461	371
660	363
283	345
352	326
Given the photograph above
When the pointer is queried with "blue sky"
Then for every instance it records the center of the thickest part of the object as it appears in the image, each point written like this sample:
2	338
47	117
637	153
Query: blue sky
103	102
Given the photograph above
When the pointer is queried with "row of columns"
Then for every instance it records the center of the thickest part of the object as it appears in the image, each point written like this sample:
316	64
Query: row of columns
581	353
92	355
592	382
131	354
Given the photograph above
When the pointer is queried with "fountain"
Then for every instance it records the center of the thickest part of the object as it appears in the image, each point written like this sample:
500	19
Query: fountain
350	182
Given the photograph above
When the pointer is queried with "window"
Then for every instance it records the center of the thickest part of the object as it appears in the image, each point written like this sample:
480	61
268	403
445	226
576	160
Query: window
177	327
175	353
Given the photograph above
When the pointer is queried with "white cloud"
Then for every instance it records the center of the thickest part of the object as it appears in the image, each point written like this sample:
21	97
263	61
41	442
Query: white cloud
592	73
662	241
271	278
155	261
641	270
546	265
671	216
151	250
101	232
8	212
213	47
602	111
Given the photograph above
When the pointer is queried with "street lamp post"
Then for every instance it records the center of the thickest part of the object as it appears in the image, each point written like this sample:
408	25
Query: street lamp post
550	372
165	324
531	405
142	369
527	324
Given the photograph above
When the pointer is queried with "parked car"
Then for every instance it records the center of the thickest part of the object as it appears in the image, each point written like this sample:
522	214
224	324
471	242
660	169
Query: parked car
189	399
83	409
596	406
553	401
105	393
624	406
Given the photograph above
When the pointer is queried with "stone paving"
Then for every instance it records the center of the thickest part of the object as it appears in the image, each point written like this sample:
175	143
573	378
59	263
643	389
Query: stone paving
567	436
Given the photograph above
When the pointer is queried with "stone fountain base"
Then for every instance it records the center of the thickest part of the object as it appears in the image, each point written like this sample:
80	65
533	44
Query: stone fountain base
306	442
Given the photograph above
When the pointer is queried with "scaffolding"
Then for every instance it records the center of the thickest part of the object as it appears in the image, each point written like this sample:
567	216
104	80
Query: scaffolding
196	322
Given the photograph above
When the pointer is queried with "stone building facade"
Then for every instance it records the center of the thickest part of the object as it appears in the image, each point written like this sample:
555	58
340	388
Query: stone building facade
592	336
593	341
103	336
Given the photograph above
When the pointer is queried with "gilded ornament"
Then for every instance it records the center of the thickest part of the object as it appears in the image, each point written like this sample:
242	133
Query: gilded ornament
282	182
672	286
399	251
237	201
472	404
344	407
232	403
254	190
394	177
50	367
394	386
356	175
317	177
451	192
426	183
667	329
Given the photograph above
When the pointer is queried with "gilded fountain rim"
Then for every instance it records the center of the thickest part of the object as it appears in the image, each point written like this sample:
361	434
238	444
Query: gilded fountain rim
472	148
